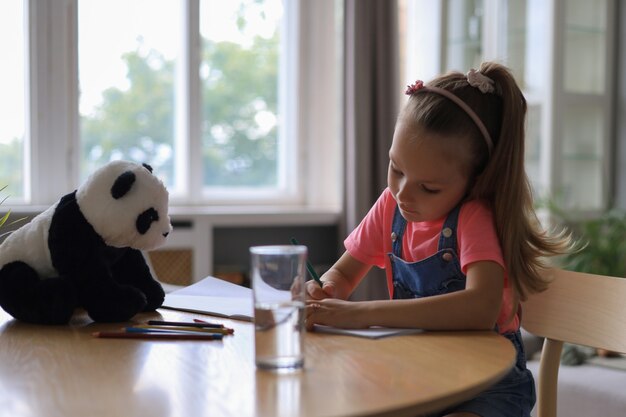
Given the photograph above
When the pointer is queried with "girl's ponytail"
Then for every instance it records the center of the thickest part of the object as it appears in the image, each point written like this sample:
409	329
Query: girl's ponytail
504	182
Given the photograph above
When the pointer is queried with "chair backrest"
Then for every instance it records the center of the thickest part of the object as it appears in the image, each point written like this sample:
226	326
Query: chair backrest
578	308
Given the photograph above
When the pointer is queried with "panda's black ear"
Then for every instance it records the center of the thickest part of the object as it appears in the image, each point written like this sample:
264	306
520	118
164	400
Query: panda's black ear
122	184
148	167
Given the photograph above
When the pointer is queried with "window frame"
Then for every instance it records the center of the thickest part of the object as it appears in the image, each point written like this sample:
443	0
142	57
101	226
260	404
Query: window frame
52	139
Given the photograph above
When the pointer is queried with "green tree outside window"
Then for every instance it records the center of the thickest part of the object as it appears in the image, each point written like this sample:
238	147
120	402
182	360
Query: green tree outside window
239	85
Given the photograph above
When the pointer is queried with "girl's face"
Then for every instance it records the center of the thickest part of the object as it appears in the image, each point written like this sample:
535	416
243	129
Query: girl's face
427	177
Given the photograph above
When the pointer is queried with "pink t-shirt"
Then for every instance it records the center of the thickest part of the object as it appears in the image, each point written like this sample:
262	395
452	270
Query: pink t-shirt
477	240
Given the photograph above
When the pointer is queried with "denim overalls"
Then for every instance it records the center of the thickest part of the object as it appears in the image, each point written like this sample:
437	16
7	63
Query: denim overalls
441	273
437	274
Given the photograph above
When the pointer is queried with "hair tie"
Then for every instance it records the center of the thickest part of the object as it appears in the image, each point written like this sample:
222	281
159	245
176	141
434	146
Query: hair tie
479	80
418	85
413	88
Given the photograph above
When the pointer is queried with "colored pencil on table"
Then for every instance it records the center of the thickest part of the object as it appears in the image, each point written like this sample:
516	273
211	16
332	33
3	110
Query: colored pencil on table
183	328
182	323
155	335
168	331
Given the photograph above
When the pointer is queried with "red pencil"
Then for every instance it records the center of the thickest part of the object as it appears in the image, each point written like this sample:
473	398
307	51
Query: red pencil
206	322
196	323
166	336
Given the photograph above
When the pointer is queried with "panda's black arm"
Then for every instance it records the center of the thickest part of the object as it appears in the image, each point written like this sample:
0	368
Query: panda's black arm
132	269
81	255
74	244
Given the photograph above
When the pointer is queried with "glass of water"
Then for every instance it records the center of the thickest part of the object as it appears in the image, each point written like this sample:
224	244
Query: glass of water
277	276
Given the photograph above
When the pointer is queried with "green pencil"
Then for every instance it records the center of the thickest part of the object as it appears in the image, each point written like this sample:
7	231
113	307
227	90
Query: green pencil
309	267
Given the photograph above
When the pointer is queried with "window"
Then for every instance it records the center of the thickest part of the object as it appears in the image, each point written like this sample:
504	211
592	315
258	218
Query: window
126	78
216	96
12	99
239	78
560	54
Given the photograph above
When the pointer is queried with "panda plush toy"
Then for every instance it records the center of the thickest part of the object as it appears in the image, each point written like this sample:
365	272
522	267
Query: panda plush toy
85	251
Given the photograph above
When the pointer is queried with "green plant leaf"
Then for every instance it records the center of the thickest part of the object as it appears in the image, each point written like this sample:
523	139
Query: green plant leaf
4	218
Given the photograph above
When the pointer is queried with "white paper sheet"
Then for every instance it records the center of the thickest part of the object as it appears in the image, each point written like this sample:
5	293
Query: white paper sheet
213	296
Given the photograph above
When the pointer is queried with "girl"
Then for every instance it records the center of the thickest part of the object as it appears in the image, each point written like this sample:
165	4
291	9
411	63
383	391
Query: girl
455	229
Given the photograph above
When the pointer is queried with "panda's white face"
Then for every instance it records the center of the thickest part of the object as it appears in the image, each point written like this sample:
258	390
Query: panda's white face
126	205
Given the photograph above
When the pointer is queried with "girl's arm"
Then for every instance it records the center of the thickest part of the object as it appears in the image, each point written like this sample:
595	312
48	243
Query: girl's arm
475	308
340	280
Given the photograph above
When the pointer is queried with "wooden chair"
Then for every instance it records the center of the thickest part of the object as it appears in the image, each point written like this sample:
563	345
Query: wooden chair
578	308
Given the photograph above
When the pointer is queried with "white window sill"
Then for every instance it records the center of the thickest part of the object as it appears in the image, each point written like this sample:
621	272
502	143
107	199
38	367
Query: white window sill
227	215
256	215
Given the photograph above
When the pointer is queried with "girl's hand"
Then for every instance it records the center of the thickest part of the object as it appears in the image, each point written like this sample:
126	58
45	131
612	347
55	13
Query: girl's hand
334	312
339	280
313	290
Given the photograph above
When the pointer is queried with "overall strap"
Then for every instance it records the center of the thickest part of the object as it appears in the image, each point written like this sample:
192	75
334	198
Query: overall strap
397	230
447	238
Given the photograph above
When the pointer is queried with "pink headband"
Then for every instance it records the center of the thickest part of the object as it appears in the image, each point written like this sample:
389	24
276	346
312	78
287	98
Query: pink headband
484	87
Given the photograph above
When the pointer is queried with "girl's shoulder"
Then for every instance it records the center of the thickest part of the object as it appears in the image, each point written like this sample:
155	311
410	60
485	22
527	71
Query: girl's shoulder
475	210
386	196
476	205
386	200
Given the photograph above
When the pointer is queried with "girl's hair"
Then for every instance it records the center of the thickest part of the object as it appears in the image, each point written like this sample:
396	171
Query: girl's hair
498	178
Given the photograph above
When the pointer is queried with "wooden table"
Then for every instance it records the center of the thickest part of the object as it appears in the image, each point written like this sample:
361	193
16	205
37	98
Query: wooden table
65	371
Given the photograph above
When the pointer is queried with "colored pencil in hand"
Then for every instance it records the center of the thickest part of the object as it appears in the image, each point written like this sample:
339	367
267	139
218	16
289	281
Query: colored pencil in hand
309	267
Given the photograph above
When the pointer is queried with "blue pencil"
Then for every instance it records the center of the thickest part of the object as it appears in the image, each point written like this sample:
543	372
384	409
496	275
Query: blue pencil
213	336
